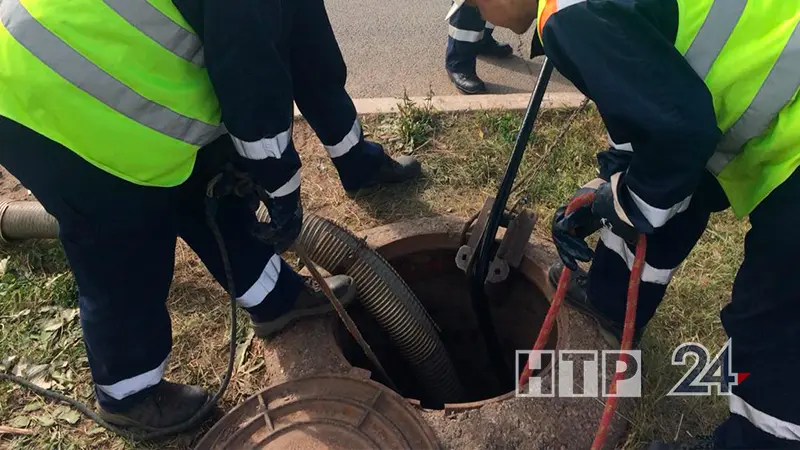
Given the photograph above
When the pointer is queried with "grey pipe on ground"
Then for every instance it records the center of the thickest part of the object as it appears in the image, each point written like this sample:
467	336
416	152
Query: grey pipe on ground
21	220
389	300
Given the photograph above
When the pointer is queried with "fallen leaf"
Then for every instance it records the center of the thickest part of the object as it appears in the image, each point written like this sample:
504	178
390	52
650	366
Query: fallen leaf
38	375
69	314
95	430
31	407
7	363
241	350
42	382
21	367
45	420
20	422
37	370
70	416
53	324
3	266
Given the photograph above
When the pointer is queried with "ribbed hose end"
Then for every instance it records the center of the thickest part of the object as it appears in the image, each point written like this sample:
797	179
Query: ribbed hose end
21	220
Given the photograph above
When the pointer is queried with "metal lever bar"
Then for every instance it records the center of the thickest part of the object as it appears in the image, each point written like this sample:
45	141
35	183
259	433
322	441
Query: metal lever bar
480	269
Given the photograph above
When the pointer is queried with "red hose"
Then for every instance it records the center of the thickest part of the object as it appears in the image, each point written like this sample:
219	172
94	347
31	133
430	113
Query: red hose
627	333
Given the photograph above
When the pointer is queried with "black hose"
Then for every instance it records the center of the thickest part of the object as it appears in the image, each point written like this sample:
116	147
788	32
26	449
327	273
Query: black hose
483	256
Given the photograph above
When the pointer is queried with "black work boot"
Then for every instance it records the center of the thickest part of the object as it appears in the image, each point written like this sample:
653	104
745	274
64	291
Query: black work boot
468	83
166	405
490	47
698	443
392	170
311	302
577	299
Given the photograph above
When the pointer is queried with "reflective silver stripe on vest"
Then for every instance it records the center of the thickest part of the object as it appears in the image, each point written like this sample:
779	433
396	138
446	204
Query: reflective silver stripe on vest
777	90
81	72
160	28
714	33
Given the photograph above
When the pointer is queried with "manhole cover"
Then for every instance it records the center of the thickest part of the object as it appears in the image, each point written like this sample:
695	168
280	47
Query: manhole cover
322	412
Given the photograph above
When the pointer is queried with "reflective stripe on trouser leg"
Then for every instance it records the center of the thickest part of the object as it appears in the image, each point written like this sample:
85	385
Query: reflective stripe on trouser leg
465	31
761	321
129	386
258	272
275	291
666	249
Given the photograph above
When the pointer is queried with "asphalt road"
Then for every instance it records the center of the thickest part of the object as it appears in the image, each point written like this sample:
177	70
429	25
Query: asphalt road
392	45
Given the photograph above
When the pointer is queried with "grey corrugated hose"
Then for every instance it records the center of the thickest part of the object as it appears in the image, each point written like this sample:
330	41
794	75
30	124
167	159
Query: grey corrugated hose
21	220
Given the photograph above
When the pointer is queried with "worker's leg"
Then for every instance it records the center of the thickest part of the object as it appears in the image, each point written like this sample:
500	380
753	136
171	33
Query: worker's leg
265	285
666	249
319	74
762	322
119	239
466	32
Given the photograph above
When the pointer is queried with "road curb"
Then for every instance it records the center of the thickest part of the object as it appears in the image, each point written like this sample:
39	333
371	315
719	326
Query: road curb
455	103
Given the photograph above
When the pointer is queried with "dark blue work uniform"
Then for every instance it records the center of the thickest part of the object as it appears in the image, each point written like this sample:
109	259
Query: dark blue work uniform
466	33
120	237
662	132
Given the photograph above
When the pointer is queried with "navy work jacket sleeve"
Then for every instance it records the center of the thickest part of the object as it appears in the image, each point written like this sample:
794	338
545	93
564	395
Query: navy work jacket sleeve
658	112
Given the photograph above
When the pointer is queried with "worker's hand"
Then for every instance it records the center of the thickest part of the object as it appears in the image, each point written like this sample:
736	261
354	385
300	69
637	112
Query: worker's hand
570	231
285	221
517	15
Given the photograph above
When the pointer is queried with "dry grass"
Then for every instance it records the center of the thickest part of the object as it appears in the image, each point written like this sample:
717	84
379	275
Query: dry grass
464	157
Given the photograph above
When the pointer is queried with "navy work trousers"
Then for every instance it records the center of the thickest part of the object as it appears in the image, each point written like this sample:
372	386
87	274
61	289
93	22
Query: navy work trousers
467	32
264	56
120	240
761	320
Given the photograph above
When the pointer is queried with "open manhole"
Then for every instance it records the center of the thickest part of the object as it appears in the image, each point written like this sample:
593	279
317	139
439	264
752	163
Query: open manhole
332	412
426	263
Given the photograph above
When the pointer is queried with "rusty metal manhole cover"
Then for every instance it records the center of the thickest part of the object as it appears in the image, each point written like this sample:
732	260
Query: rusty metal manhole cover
322	412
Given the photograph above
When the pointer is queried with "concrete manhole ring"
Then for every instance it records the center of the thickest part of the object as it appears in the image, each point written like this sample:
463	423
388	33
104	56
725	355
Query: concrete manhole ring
322	412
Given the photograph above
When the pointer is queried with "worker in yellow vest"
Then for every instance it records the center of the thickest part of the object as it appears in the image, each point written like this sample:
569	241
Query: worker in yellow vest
111	113
699	98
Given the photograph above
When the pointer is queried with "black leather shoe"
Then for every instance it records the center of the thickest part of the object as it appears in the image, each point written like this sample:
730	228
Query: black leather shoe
167	405
490	47
393	170
577	299
467	83
311	302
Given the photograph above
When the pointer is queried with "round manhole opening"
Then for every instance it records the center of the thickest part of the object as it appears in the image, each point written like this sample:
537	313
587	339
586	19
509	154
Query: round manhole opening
517	314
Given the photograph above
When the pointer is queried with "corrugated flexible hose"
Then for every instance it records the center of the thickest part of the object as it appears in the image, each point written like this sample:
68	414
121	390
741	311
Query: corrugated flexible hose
26	220
390	302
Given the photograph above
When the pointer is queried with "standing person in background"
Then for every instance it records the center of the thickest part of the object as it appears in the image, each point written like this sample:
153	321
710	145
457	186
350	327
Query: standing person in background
470	35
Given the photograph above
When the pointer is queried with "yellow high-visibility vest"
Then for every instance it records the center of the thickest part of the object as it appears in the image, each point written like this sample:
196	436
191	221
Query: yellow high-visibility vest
122	83
748	54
